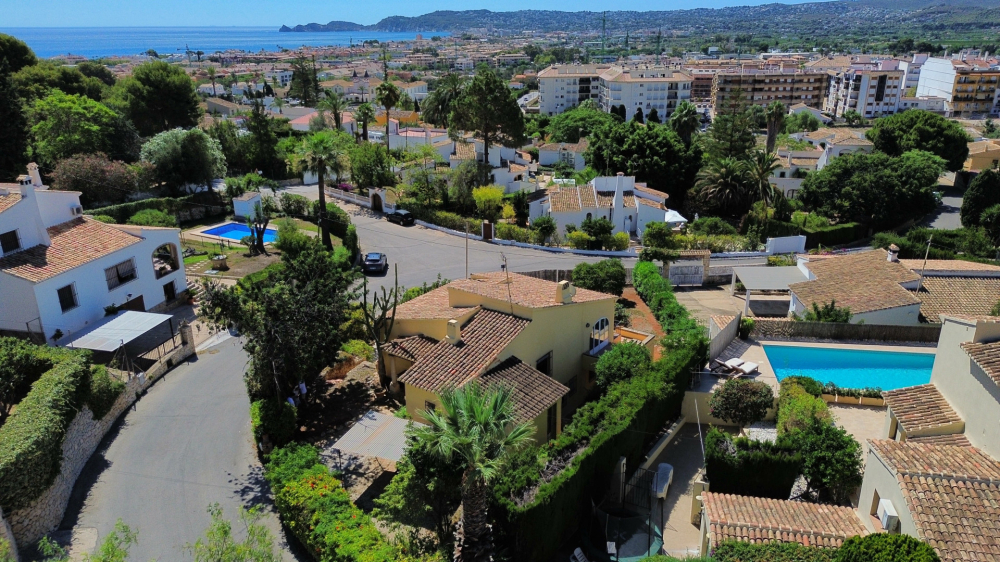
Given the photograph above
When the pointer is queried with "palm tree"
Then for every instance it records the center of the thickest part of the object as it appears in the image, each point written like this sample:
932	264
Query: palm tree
388	96
318	153
335	103
760	167
685	121
279	103
211	76
361	91
722	184
437	106
477	426
365	114
775	115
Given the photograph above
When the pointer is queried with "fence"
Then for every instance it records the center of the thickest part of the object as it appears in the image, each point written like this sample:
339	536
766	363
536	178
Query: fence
350	197
780	328
722	336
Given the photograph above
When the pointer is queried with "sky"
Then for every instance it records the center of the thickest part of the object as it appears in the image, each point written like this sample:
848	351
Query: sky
128	13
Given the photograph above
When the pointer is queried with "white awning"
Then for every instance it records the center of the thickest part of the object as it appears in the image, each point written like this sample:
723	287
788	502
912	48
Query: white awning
769	278
112	332
674	217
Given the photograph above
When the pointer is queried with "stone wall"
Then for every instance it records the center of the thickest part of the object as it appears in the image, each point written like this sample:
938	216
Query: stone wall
8	535
784	328
83	436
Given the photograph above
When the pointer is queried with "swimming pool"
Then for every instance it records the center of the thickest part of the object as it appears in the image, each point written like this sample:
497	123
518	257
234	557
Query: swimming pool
236	231
851	368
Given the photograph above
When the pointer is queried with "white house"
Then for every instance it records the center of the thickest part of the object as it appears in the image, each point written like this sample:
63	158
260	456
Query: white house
563	152
283	77
59	269
210	89
243	205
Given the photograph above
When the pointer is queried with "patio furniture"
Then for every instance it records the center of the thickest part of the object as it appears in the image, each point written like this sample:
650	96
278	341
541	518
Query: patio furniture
747	368
578	556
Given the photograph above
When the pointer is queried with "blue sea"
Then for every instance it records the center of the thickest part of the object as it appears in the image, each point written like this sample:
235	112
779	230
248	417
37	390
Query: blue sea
93	42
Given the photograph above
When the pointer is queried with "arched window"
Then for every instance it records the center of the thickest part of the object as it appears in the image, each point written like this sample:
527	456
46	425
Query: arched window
165	260
589	216
600	334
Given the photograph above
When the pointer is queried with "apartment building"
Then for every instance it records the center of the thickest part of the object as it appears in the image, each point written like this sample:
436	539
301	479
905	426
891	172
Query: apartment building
912	69
969	87
563	87
644	88
761	87
871	93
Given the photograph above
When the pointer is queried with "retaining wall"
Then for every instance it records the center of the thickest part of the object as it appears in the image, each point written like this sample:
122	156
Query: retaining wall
8	535
784	328
83	436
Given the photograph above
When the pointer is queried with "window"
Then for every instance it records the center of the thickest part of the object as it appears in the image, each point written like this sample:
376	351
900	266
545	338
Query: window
169	291
600	333
544	364
67	297
120	274
10	242
551	423
429	406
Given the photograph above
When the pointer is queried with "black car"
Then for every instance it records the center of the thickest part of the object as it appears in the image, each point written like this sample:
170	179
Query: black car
375	263
400	216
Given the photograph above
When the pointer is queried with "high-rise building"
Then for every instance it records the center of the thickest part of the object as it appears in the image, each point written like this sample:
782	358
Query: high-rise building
761	87
563	87
969	87
644	88
872	93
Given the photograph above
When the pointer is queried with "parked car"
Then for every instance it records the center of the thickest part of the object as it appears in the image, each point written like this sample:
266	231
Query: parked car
375	262
400	216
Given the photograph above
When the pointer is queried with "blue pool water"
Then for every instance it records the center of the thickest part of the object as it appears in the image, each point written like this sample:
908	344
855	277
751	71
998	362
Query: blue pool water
851	368
236	231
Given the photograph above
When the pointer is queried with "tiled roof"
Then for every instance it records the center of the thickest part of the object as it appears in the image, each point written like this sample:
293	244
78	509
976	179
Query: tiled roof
953	439
974	296
920	407
522	290
607	198
948	265
430	305
446	364
464	151
588	199
863	282
758	520
952	493
247	196
722	321
9	200
987	356
411	348
565	199
534	391
74	243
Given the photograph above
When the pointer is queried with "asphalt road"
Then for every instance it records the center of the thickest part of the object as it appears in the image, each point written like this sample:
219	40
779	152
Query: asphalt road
948	214
184	446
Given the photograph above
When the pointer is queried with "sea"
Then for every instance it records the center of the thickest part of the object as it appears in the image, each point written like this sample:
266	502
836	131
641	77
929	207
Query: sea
95	42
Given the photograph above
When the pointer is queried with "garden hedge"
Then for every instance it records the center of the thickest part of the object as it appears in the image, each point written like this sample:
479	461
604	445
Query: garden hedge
751	468
124	211
797	407
620	423
274	418
834	235
737	551
320	513
883	547
104	391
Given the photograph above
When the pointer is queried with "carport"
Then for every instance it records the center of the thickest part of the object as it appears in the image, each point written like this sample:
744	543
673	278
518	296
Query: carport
132	333
766	279
376	435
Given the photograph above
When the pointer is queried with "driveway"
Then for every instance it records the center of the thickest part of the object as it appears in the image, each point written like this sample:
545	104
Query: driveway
184	445
948	215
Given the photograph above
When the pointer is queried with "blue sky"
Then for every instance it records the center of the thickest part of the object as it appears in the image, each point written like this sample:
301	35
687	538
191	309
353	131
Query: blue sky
123	13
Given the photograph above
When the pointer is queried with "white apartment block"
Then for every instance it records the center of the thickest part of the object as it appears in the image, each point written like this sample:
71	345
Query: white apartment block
283	77
563	87
644	88
871	93
912	69
969	87
59	269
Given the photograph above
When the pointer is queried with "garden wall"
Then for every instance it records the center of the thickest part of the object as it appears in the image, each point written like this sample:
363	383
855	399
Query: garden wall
84	434
8	535
786	328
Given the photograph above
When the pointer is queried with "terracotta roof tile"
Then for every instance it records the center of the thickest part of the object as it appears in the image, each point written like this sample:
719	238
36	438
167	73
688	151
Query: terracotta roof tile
920	408
431	305
522	290
534	392
411	348
757	520
565	199
483	338
464	151
74	243
606	199
588	197
8	200
953	439
987	356
973	296
952	493
863	282
948	265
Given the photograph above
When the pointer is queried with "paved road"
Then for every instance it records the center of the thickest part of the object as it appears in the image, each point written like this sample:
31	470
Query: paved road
948	214
185	445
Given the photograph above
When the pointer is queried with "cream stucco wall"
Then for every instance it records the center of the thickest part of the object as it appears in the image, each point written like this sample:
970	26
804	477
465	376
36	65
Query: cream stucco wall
878	478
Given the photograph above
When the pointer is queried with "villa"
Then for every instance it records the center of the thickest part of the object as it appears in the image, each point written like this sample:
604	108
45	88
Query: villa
540	337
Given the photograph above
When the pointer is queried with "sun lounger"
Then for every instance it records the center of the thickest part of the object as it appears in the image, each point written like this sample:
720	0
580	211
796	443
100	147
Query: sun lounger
747	368
734	363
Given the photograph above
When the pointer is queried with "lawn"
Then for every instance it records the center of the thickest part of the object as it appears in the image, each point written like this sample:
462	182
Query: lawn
237	257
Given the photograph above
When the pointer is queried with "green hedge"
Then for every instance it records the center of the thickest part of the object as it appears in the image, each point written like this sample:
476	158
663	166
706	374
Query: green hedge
104	391
618	424
274	418
453	221
124	211
320	513
883	547
31	440
797	407
750	468
737	551
506	231
834	235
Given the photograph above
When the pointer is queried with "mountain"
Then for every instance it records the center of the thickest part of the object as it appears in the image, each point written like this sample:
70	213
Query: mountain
809	19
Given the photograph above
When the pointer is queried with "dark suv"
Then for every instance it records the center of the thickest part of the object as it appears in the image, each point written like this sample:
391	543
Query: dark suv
400	216
375	263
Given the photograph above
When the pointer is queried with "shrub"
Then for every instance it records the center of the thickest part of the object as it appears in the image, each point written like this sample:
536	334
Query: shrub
618	243
544	228
293	204
712	226
829	312
152	217
983	193
273	418
620	363
739	551
746	327
105	219
104	391
751	468
506	231
289	463
883	547
121	213
579	240
797	407
338	219
741	401
606	276
835	235
808	384
359	348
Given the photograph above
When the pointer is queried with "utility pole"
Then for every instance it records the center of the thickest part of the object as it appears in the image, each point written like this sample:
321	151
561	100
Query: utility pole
920	282
466	249
604	31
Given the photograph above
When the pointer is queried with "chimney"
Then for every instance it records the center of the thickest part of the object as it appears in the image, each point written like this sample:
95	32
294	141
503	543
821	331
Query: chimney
564	292
36	178
893	253
454	336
